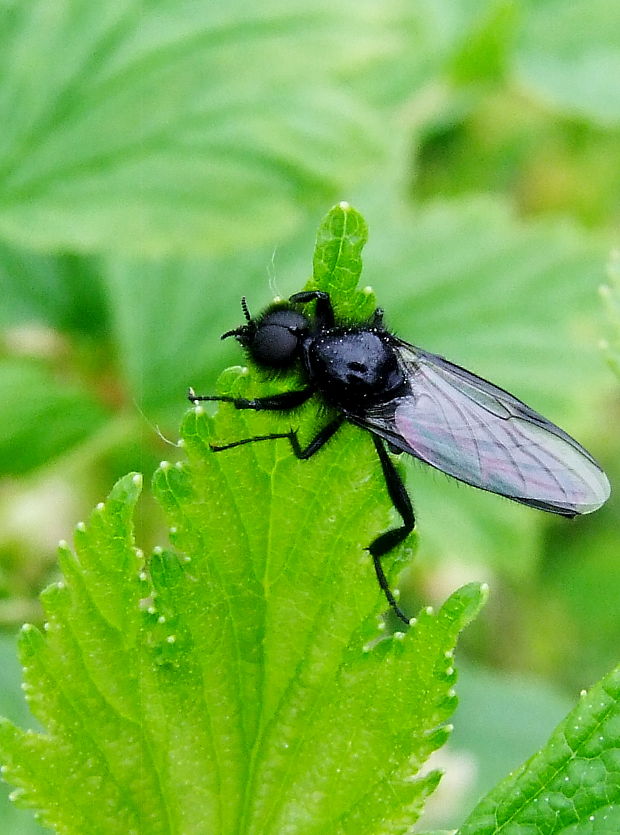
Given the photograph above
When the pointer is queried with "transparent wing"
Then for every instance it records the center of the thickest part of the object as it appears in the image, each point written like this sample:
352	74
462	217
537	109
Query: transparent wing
482	435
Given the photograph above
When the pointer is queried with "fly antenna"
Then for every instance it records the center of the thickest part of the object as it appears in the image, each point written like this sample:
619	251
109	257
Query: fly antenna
243	330
246	312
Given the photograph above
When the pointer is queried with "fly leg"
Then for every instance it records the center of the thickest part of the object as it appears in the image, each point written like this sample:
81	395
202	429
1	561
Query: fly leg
324	311
271	403
384	543
275	403
303	453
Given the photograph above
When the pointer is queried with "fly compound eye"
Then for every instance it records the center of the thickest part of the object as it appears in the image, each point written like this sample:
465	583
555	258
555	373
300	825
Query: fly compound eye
277	337
274	345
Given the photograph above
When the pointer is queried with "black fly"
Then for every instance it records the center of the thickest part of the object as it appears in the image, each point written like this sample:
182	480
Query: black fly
414	402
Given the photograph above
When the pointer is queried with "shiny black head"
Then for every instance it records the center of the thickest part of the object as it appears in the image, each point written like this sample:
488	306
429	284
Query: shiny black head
273	338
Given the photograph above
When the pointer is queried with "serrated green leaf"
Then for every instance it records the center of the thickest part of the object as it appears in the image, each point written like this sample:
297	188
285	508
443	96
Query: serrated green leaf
304	614
338	252
80	681
572	785
238	681
233	700
337	262
13	820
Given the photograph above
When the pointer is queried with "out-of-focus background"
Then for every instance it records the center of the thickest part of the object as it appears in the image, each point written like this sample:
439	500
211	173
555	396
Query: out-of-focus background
158	158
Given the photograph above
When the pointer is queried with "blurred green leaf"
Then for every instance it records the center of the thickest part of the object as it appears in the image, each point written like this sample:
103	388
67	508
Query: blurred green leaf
569	56
42	417
513	301
172	127
610	294
485	53
570	785
62	291
166	317
578	584
424	43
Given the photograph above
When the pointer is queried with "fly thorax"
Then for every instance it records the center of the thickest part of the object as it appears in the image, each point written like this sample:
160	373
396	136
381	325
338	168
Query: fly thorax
353	368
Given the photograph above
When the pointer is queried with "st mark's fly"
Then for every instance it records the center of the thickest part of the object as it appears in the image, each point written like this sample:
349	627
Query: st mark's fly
415	402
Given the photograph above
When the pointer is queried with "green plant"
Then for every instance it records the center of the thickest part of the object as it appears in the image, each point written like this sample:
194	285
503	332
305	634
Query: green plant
160	158
236	681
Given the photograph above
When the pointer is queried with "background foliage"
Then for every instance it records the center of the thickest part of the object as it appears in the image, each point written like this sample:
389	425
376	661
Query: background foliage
182	154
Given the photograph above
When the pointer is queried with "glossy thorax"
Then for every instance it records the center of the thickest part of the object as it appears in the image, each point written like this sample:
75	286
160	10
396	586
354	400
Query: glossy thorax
353	368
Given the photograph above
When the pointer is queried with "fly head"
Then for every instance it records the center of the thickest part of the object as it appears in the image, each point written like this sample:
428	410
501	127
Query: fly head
273	338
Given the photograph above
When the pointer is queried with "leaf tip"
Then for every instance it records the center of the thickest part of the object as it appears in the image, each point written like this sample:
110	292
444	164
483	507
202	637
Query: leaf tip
126	490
